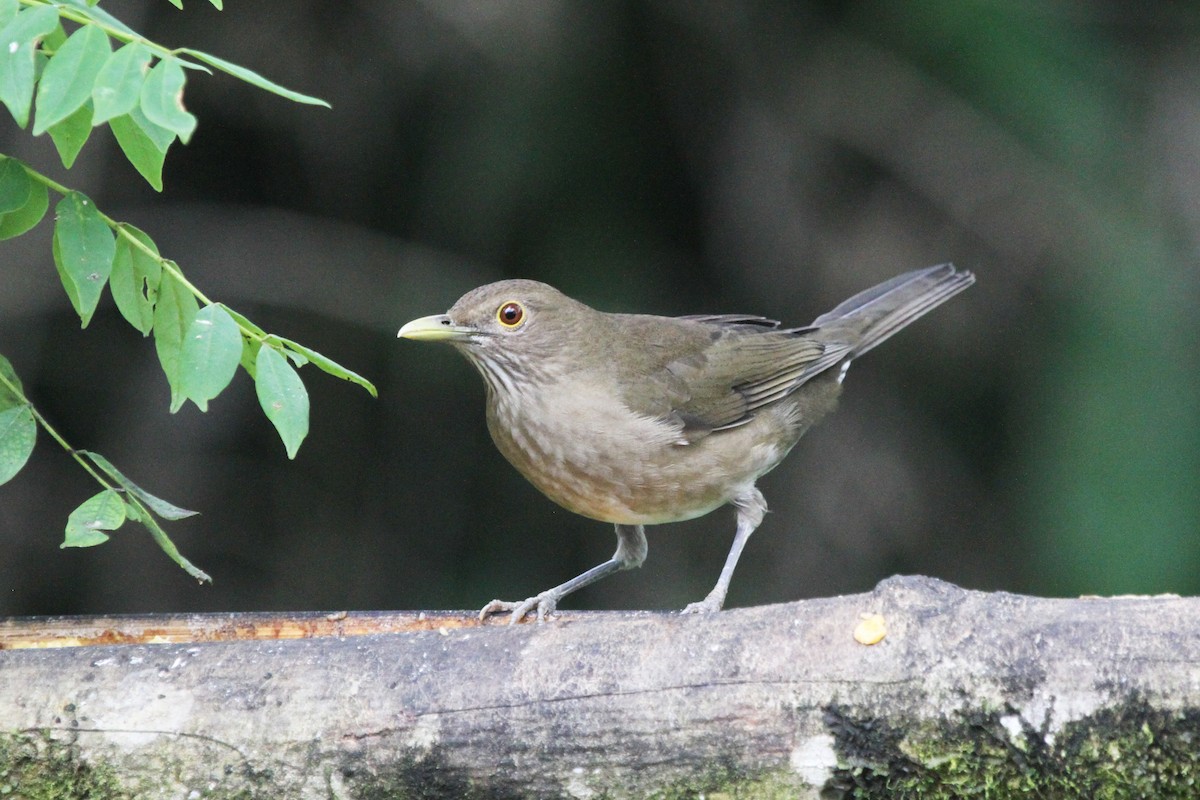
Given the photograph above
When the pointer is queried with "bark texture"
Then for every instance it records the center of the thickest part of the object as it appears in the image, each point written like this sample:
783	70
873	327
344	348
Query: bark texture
966	690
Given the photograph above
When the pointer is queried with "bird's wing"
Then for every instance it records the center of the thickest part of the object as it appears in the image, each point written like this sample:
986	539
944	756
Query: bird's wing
717	372
734	319
741	372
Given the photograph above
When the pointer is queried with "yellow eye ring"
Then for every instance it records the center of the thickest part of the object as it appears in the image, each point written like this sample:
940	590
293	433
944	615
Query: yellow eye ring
510	314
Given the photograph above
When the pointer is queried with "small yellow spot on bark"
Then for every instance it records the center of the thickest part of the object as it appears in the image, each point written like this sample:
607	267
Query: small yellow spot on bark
871	629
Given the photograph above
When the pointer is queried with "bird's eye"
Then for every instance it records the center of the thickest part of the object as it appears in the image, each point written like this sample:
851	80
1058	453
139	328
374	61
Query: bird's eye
511	314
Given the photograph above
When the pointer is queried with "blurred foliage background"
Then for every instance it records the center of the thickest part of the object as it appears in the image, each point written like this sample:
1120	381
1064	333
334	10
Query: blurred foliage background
1038	434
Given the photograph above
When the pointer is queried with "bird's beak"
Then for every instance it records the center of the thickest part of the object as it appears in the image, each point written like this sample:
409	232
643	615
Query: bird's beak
435	328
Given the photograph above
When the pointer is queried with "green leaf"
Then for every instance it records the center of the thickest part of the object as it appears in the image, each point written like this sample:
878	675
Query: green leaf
141	141
15	185
18	40
18	434
253	78
297	359
157	504
18	430
162	98
29	26
160	136
244	322
118	86
134	280
83	251
7	398
168	547
177	3
250	348
283	397
64	278
97	14
8	10
50	44
328	365
132	512
173	314
72	133
86	524
211	351
251	341
68	79
217	5
17	222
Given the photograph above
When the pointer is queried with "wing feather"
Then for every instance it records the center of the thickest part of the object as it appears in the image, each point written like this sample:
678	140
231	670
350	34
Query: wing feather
714	372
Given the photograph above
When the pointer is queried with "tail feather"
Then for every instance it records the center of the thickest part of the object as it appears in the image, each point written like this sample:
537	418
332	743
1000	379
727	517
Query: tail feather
871	317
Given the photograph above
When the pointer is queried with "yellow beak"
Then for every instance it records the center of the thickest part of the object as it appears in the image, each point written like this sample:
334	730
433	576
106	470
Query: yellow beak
435	328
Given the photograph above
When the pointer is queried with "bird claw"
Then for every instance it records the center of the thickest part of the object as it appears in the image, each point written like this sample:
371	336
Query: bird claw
545	603
708	605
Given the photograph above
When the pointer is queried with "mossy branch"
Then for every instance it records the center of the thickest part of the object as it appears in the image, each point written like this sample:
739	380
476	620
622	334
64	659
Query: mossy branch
967	694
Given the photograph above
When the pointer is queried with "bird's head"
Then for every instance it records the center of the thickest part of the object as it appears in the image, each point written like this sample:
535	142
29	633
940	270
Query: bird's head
510	329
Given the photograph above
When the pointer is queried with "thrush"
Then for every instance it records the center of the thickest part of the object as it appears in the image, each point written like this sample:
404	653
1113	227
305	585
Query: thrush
638	420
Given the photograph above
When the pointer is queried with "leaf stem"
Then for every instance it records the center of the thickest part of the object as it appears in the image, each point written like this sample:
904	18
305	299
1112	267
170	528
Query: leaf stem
120	34
54	434
144	515
166	264
163	541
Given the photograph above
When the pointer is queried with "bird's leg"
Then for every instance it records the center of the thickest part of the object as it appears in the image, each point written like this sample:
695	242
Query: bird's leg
631	552
750	507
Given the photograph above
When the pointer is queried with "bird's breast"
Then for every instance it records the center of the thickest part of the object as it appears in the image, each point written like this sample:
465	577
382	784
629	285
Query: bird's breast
589	453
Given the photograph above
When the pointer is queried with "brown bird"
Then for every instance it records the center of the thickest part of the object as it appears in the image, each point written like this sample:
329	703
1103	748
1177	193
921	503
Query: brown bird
637	420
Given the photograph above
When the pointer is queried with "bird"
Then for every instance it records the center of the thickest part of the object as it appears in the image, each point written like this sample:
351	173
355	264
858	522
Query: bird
637	419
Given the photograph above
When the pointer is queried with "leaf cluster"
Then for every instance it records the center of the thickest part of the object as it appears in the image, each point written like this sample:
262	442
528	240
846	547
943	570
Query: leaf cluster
68	85
82	82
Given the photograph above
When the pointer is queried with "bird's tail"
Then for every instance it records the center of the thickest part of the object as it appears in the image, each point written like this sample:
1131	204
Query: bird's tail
869	318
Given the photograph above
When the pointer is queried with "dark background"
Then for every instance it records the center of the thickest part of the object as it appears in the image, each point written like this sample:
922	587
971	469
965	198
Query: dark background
1037	434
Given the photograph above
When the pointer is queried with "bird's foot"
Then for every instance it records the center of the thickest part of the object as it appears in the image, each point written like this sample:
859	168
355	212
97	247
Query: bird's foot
545	603
709	605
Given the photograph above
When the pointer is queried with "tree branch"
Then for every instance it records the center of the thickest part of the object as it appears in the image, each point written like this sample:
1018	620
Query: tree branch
966	691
